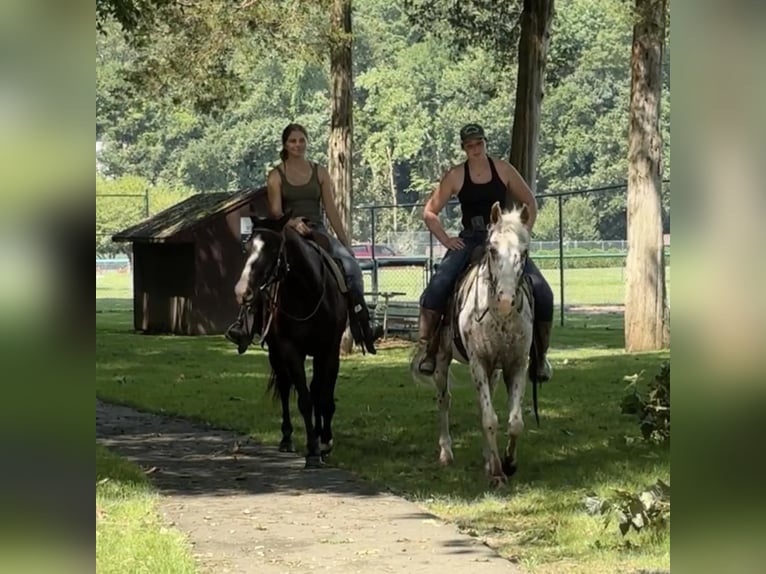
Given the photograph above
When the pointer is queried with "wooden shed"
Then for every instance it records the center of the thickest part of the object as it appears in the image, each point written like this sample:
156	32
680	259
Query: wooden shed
186	261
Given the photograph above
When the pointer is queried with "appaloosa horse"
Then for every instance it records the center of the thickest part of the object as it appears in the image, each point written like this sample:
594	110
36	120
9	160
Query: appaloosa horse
304	313
489	325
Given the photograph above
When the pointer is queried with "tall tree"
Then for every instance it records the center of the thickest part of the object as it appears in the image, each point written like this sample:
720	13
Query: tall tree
493	24
646	309
341	120
536	18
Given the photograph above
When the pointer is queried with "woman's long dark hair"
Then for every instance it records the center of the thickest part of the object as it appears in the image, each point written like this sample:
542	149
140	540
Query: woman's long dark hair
286	134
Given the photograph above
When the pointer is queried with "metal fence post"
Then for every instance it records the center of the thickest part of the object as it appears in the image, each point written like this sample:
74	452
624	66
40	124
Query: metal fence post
373	241
561	256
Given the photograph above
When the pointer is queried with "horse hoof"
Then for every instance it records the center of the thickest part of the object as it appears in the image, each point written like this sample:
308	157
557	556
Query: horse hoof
445	458
314	461
498	482
286	446
325	449
509	467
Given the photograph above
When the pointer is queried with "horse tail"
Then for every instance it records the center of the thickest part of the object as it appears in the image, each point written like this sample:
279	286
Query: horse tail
273	385
534	398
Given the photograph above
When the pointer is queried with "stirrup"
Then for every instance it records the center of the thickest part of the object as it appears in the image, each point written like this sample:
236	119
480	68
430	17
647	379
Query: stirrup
237	334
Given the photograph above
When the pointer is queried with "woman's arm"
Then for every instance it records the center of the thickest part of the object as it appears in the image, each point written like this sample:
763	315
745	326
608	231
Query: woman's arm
328	201
435	204
519	191
274	194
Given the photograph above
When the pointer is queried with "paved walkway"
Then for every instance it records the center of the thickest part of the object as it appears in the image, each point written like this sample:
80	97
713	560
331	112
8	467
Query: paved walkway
248	508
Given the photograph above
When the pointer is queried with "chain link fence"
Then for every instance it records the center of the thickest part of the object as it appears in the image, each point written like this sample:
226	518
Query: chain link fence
579	243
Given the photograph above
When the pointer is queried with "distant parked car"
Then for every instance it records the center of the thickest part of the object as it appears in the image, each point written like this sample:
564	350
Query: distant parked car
364	251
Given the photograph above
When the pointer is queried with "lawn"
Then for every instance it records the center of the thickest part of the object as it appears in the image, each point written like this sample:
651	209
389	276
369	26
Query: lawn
598	286
387	432
129	534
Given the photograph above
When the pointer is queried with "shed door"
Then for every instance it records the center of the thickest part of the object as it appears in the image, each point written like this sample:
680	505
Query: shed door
167	278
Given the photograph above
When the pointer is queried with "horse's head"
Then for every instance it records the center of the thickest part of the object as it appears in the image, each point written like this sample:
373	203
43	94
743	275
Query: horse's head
507	248
265	257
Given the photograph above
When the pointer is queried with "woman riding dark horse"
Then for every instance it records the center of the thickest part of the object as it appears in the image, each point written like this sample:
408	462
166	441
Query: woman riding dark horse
302	188
306	315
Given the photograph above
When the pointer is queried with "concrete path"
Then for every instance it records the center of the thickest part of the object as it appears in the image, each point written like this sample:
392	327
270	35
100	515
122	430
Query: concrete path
248	508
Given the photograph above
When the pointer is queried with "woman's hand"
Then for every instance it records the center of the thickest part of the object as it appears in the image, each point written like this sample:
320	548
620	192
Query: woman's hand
299	226
454	243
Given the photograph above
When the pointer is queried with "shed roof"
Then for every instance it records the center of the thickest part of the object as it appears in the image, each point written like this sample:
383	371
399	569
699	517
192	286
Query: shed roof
186	214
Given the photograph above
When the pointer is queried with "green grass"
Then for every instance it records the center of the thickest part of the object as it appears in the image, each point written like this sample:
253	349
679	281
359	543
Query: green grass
386	431
129	534
598	286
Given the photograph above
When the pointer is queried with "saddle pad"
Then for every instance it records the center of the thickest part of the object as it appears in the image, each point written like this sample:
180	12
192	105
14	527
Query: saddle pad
457	303
332	264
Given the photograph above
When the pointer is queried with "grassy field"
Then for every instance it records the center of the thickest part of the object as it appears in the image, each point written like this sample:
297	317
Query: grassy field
387	432
129	535
599	286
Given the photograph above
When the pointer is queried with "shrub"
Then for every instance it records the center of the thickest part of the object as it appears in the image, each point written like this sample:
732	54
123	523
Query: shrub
653	408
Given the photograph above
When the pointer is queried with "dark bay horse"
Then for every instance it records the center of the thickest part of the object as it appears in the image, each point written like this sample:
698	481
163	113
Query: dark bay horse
304	314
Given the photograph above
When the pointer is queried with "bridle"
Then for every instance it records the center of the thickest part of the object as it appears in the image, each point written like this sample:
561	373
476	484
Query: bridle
486	261
270	287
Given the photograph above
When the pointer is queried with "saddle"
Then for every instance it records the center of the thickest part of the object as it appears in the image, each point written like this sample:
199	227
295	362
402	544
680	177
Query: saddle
321	243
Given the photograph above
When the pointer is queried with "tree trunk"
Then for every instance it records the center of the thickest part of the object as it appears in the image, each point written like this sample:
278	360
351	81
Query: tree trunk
646	311
533	50
339	152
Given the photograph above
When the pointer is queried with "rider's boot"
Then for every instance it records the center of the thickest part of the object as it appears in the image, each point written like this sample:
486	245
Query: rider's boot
359	321
541	333
428	344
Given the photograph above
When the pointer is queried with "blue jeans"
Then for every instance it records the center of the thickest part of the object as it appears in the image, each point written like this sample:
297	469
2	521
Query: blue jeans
351	268
443	281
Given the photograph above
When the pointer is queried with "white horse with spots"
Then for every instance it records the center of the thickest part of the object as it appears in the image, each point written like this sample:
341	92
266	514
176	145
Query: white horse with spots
490	316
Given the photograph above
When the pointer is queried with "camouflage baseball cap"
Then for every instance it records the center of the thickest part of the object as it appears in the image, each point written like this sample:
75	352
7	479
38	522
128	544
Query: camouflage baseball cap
472	132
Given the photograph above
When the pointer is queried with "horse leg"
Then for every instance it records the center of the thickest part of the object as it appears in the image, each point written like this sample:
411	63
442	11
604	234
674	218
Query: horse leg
481	376
329	367
316	392
444	397
286	444
515	384
326	367
291	368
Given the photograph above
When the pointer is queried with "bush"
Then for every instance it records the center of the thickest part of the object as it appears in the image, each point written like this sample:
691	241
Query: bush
653	408
648	509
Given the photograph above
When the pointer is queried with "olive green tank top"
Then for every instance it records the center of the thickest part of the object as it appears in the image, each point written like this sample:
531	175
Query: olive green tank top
302	200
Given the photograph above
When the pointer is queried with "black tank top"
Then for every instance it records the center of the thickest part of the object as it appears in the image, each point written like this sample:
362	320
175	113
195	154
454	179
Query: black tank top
476	199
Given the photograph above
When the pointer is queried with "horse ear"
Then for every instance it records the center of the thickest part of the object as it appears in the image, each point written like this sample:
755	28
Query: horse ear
524	213
496	213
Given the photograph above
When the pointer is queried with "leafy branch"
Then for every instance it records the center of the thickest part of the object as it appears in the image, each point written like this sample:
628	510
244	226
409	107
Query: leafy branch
648	509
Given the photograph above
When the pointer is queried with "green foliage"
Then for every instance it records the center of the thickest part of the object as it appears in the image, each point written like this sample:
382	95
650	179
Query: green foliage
651	408
125	201
580	219
491	24
648	509
412	91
